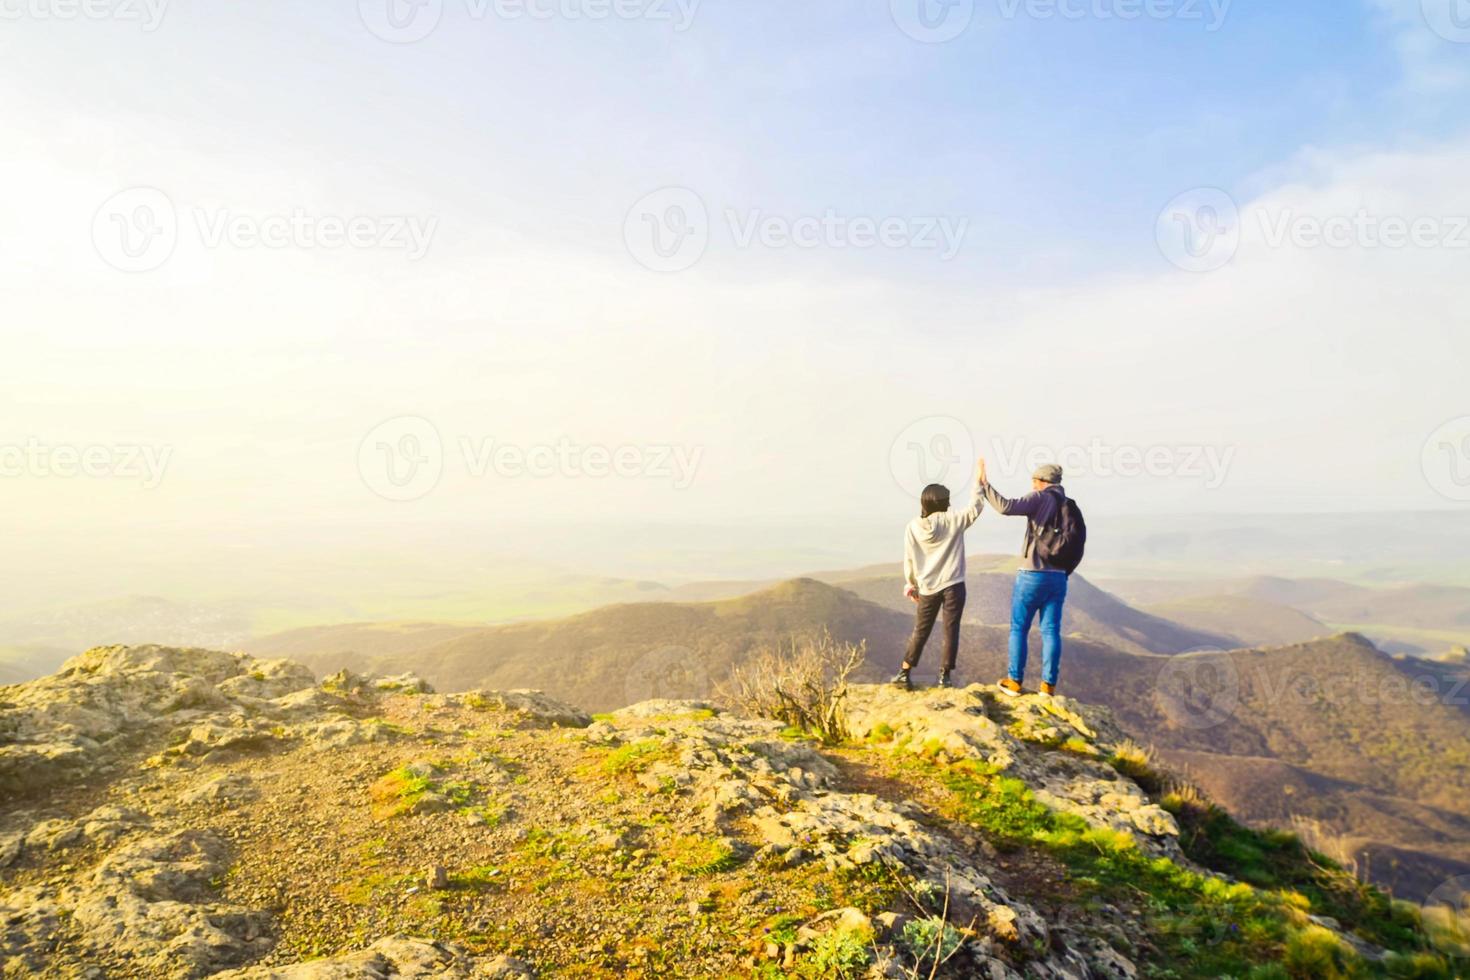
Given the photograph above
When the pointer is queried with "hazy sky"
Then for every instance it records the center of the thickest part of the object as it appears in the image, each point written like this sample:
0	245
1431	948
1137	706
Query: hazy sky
721	262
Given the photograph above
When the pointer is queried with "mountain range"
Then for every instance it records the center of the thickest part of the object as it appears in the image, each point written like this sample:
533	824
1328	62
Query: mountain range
1372	749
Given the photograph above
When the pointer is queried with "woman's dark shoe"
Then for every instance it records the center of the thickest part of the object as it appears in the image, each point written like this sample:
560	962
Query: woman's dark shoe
901	679
946	678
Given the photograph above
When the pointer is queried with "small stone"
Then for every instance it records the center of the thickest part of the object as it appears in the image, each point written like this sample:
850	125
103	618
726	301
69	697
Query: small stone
1003	923
430	803
437	879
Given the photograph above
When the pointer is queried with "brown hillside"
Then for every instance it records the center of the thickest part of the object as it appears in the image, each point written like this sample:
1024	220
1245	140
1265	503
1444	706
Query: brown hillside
1251	621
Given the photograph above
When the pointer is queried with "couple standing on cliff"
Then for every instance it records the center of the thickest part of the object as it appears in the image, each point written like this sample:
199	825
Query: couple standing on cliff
934	572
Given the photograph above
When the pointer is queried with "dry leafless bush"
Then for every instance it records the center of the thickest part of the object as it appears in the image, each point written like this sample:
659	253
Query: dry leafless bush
1322	839
802	682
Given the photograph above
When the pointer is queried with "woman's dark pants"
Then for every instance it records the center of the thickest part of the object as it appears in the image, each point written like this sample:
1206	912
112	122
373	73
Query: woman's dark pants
952	601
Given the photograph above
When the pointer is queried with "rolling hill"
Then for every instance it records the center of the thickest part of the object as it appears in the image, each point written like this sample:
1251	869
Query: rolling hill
1248	620
1413	618
1090	611
609	657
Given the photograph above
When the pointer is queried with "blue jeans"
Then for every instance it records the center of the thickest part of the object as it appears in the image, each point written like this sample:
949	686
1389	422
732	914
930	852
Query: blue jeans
1042	592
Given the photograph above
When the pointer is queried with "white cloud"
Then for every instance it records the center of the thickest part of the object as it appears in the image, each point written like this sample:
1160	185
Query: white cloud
1433	42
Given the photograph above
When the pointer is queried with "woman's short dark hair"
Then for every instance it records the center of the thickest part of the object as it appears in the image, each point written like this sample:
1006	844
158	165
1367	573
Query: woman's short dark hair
933	500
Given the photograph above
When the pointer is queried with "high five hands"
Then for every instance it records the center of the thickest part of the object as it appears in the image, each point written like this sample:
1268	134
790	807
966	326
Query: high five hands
980	477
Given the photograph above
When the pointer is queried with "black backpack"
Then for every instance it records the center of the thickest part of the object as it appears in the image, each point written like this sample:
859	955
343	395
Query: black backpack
1061	542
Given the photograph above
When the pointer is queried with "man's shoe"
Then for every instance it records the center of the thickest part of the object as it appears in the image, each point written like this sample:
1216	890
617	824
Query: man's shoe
901	679
945	678
1048	690
1010	688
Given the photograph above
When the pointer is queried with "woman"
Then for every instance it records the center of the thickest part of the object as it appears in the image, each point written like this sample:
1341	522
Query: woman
934	575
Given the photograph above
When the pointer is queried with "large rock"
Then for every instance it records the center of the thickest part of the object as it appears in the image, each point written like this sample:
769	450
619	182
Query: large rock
207	705
535	706
1056	746
149	902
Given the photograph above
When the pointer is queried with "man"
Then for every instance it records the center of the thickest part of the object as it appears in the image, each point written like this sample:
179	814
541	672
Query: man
1041	584
934	575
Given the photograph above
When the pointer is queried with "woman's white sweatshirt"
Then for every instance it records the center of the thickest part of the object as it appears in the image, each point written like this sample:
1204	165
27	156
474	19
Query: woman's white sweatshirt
934	547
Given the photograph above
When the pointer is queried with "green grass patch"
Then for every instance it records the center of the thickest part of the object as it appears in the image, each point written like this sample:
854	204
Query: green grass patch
372	887
696	855
397	792
401	790
635	757
1274	859
1197	924
476	879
